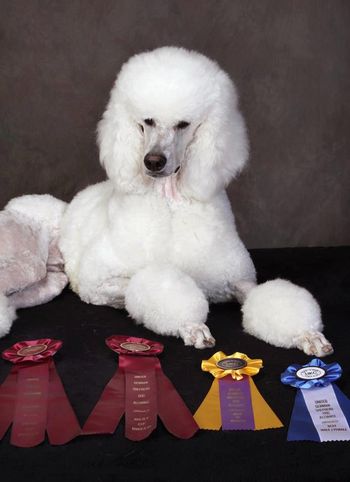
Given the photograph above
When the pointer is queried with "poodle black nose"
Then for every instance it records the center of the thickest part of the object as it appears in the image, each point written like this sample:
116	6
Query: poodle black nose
154	162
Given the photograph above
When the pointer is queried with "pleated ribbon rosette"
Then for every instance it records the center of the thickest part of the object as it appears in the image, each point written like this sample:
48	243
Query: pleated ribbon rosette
233	401
321	411
32	397
140	390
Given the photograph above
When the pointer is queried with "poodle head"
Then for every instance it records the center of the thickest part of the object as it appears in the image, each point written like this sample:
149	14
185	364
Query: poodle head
172	112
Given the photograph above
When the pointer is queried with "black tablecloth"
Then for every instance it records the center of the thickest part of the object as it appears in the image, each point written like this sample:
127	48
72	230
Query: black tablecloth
85	365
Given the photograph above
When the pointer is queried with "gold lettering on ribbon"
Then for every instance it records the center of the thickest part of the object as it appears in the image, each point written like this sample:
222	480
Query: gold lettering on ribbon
140	417
236	404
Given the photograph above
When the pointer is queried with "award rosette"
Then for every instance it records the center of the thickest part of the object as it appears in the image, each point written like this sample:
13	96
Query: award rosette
32	397
321	411
233	401
139	389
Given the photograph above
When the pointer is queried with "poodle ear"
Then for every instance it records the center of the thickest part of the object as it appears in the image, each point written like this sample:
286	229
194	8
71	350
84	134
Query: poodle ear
219	149
120	141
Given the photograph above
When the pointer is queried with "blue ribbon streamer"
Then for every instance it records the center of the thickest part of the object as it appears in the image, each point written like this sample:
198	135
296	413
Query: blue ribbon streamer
301	426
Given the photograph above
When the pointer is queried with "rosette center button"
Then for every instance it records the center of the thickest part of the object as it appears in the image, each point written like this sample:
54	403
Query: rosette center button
32	350
231	364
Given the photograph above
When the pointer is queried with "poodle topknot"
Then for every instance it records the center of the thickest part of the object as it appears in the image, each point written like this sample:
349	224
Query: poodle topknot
178	104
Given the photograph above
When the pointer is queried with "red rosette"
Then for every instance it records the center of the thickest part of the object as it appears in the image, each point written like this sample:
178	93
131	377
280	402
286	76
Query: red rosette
139	389
130	345
32	397
32	350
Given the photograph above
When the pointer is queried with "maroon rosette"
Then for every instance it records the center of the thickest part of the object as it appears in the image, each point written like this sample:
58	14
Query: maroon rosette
130	345
32	397
140	390
31	350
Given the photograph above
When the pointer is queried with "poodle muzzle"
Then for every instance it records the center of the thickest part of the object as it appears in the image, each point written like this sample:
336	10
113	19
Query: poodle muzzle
156	165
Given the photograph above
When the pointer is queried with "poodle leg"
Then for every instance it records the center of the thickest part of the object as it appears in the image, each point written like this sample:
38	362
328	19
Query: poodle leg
7	315
41	292
285	315
109	291
169	302
242	289
96	281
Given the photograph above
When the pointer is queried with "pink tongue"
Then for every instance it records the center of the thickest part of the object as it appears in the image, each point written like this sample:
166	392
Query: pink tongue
169	188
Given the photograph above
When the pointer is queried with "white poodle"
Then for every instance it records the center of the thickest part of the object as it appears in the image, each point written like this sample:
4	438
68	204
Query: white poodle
159	237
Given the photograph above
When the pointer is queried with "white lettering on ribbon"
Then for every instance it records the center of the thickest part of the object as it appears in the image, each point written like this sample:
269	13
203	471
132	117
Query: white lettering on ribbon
326	414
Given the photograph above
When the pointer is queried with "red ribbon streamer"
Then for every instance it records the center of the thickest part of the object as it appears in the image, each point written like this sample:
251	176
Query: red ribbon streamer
139	389
32	397
7	397
30	410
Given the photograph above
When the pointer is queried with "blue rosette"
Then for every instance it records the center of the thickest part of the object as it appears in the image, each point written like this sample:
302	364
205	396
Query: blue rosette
323	375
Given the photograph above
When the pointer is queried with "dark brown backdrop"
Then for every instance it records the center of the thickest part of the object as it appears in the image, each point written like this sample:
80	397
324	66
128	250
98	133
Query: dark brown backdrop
290	61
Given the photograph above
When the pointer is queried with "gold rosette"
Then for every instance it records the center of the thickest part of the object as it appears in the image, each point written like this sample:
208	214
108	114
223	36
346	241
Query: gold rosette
215	365
233	401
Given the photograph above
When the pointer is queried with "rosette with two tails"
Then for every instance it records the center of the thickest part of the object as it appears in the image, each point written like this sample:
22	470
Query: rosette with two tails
139	389
32	397
321	411
233	401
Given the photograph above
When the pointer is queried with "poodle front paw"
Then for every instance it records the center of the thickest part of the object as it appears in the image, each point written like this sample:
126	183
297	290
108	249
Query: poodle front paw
314	343
197	335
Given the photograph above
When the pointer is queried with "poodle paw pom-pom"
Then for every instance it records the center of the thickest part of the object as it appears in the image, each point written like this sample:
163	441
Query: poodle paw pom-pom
285	315
168	301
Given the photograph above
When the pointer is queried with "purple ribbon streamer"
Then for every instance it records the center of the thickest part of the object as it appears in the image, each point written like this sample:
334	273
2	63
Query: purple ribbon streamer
236	404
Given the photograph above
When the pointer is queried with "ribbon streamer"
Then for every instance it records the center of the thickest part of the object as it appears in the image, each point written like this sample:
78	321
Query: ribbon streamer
321	411
32	397
139	389
233	401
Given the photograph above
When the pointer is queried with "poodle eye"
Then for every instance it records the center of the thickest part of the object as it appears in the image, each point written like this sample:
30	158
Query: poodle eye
150	122
141	127
182	125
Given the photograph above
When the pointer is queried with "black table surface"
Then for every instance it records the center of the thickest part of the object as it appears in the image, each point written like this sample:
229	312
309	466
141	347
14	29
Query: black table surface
85	365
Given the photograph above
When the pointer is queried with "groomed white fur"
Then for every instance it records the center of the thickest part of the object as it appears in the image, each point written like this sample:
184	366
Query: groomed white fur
31	266
286	315
7	315
169	302
43	209
133	225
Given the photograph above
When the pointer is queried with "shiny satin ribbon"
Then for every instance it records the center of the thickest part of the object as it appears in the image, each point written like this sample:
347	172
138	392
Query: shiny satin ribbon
233	401
321	411
139	389
32	397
